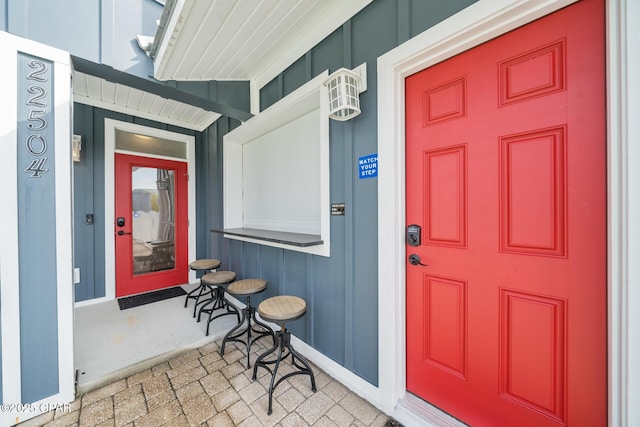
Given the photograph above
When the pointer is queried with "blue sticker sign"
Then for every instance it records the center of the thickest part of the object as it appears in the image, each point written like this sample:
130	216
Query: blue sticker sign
368	166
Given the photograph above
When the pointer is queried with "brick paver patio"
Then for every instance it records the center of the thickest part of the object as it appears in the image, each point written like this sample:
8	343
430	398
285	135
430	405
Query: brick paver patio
202	388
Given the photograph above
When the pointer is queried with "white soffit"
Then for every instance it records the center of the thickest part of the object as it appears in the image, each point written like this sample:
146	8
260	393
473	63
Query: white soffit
244	39
97	92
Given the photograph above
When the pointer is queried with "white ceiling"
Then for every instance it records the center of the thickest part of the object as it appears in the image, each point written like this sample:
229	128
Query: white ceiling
243	39
251	40
95	91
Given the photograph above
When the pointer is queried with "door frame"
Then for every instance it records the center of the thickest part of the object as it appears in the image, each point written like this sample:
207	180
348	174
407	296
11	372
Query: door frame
110	127
474	25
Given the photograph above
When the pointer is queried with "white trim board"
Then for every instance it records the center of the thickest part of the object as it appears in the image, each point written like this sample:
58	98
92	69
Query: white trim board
623	63
474	25
110	127
11	385
9	263
310	98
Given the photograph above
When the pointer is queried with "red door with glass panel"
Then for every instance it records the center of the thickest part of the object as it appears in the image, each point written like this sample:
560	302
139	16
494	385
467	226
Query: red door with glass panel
506	177
151	224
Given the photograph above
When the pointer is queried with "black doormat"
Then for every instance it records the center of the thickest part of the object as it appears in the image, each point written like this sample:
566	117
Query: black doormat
148	298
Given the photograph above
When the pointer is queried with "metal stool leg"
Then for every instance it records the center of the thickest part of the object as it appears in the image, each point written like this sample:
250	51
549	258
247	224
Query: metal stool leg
284	342
248	313
202	290
190	294
306	369
219	302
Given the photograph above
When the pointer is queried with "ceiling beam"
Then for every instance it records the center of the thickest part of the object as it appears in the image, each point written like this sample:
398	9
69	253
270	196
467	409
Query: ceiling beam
115	76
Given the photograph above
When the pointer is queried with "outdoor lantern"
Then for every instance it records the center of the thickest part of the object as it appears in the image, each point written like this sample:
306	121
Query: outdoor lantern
76	147
344	89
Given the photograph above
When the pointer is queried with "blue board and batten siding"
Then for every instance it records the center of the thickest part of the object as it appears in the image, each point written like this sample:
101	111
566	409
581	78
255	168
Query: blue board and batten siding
89	238
341	291
88	122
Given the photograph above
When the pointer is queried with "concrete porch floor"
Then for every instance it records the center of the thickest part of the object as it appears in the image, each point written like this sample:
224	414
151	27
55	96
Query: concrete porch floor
152	365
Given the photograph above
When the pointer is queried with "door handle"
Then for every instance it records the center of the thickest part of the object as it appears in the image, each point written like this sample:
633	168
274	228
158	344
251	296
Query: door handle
122	233
415	260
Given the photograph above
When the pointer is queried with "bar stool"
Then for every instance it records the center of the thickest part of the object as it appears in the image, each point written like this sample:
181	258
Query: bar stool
246	288
201	266
282	309
216	281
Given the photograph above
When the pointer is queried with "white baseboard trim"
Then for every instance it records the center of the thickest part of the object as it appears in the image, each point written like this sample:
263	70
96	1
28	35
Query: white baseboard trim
353	382
91	302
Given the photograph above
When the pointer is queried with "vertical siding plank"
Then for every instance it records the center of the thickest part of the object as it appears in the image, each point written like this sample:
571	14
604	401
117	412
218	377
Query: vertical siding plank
427	13
250	261
295	284
84	204
294	76
270	271
327	54
404	21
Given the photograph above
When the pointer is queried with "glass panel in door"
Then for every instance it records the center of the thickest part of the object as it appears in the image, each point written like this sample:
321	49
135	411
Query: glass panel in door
153	219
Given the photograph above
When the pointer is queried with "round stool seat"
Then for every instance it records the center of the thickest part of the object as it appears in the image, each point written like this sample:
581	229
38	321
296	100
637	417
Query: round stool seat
204	264
247	286
282	308
218	277
200	293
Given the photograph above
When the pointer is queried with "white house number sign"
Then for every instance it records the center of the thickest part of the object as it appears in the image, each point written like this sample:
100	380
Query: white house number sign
35	113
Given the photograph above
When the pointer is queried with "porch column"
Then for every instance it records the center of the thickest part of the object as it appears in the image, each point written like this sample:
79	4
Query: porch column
36	258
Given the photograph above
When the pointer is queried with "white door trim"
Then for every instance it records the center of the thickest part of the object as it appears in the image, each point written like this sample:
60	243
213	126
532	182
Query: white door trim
472	26
110	127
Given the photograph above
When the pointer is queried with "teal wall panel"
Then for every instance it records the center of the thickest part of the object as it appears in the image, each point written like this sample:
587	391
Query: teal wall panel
89	240
424	14
296	75
324	54
374	31
227	92
83	190
341	291
293	282
271	259
270	93
251	261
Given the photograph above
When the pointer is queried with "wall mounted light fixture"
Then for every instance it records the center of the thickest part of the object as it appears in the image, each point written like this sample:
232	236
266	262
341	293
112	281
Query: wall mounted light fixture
344	88
76	147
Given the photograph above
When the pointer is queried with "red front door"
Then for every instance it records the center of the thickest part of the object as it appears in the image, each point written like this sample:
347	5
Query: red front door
506	326
151	224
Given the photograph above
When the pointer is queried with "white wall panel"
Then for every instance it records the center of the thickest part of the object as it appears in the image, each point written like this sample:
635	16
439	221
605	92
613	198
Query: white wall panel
281	178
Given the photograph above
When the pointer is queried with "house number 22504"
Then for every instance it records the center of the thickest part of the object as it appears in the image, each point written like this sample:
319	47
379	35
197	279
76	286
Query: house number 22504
37	103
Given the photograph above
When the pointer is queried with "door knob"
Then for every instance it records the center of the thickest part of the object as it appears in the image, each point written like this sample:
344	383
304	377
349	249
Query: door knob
415	260
122	233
